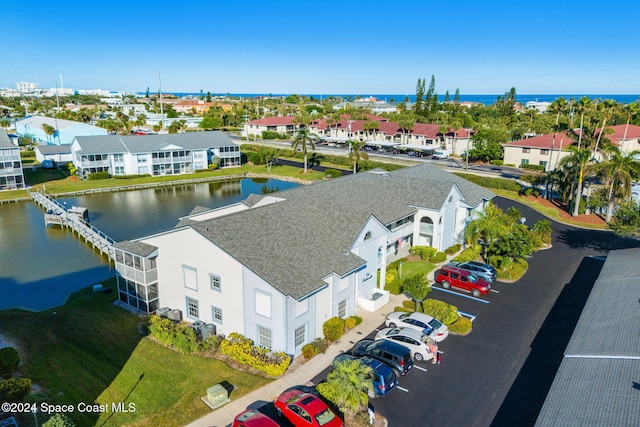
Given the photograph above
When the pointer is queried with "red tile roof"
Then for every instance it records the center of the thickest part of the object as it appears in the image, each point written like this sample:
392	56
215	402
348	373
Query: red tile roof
544	141
618	135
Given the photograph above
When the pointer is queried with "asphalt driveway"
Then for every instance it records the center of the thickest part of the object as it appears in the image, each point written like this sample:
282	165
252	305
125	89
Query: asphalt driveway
499	375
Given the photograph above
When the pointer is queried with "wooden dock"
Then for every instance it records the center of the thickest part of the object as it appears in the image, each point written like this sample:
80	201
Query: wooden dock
57	214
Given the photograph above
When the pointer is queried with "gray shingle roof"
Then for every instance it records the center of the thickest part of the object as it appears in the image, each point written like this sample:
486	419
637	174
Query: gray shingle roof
54	149
593	392
597	382
140	144
295	243
5	141
138	248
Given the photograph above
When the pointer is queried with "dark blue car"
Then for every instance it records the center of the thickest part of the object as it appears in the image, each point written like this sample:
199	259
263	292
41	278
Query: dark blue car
384	379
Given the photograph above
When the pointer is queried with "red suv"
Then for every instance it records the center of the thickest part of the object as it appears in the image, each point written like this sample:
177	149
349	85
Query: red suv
454	277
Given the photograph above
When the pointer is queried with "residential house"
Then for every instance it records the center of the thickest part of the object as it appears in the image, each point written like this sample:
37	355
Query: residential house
545	150
11	175
57	153
166	154
284	125
275	267
65	130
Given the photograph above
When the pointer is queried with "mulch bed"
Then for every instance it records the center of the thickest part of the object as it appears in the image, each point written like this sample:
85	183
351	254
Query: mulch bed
561	208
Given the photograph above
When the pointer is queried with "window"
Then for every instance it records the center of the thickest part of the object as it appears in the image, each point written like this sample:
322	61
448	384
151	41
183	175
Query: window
190	277
543	163
342	309
544	151
264	336
525	162
142	158
216	282
301	335
216	314
526	150
263	304
192	308
119	170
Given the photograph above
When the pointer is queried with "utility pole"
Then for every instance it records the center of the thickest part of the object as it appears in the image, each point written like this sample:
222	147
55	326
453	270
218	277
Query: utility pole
160	100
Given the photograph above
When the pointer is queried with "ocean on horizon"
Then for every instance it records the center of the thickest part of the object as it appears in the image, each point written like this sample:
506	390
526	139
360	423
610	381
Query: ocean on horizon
486	99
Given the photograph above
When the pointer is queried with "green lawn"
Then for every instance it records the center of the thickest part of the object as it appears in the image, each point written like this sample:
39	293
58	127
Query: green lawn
91	351
411	268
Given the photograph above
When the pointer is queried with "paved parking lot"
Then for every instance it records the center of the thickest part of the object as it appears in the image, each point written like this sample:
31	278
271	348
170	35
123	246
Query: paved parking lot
499	374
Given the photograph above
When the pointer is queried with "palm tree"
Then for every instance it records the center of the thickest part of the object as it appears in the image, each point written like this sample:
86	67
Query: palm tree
49	130
577	163
352	382
488	227
406	125
619	170
303	139
355	155
542	230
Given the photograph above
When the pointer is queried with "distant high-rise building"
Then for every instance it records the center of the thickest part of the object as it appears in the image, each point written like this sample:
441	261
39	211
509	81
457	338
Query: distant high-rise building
26	87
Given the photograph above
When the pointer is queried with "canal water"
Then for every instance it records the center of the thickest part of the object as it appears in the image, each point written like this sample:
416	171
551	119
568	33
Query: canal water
40	266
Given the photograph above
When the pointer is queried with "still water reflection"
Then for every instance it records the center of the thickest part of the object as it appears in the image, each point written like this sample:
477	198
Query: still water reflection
40	266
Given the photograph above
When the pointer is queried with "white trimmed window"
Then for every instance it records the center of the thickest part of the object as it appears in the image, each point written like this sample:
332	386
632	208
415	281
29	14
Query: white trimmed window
215	282
190	275
216	314
193	311
342	309
301	335
264	336
263	304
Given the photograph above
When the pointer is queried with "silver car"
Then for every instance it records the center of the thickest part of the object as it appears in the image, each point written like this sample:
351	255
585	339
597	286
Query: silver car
486	271
416	342
421	322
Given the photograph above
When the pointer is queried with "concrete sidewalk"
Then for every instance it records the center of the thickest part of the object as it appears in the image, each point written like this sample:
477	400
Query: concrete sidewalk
224	416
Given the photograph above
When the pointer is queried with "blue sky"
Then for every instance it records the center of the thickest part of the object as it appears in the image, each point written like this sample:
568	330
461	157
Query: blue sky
324	47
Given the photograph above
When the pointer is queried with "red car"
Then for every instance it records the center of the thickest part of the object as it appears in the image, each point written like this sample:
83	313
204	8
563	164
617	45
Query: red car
252	418
305	410
455	277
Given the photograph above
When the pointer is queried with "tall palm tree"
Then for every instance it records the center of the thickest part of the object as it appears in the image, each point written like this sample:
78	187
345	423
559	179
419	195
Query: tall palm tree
619	170
576	162
488	227
303	139
355	155
353	384
406	125
49	130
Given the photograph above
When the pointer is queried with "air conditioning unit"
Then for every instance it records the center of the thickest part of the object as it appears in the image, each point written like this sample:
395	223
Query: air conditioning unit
197	325
175	315
163	311
208	330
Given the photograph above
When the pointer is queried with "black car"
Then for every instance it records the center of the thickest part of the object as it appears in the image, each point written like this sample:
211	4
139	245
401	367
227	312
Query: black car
397	356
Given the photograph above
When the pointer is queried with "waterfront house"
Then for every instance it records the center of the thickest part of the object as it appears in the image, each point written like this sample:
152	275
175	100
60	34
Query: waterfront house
275	267
65	130
11	176
166	154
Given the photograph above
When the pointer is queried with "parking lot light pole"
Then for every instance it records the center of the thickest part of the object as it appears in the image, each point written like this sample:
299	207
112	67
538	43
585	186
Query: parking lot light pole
466	154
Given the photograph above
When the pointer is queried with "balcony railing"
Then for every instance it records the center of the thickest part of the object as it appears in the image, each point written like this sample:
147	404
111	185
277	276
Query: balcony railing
94	163
138	276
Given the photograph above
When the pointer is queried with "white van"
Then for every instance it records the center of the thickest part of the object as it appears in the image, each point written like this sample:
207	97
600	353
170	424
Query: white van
440	154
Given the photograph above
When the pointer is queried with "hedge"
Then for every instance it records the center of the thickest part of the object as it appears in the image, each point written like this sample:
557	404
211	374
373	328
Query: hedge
438	258
179	336
453	249
425	252
333	328
469	254
497	162
462	326
98	175
394	287
446	313
9	361
242	350
14	389
333	173
540	168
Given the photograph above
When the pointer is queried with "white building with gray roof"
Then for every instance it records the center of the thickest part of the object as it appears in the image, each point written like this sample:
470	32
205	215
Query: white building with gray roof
275	267
165	154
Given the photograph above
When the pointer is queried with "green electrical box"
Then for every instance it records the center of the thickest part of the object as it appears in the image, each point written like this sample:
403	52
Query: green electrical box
217	396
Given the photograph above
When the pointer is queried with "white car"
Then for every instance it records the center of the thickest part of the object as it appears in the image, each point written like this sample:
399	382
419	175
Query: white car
415	341
421	322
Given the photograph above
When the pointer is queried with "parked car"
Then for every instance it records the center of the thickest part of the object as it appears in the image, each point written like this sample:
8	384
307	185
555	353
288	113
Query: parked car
397	356
383	377
421	322
253	418
304	409
450	276
440	154
415	341
485	271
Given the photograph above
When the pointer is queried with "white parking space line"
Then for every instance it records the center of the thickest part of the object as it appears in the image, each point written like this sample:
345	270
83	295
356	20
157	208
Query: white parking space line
493	290
420	367
460	295
471	317
403	389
